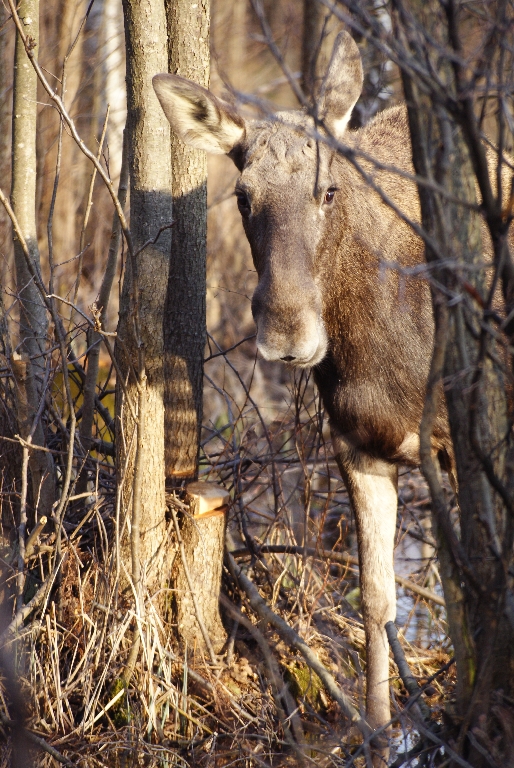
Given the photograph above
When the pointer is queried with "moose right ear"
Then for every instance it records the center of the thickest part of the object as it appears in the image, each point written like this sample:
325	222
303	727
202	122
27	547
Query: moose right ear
342	85
200	119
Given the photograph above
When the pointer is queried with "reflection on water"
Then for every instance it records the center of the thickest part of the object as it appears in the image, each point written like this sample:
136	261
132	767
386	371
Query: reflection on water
415	558
412	614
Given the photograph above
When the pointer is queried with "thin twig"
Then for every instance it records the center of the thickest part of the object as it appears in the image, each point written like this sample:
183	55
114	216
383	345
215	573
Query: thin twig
406	675
290	636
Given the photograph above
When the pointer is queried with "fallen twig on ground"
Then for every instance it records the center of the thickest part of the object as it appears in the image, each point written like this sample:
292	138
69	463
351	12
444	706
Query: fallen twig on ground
295	641
406	675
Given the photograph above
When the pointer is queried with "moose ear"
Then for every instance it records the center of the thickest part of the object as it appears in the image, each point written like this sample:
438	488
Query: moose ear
199	118
342	85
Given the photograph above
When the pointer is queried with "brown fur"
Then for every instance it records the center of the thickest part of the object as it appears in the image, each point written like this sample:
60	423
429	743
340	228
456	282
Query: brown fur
378	321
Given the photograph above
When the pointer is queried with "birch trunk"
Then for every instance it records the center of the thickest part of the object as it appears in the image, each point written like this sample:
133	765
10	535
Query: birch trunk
139	347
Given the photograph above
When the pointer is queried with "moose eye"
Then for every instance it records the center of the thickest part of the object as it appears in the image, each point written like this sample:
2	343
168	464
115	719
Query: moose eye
243	203
329	196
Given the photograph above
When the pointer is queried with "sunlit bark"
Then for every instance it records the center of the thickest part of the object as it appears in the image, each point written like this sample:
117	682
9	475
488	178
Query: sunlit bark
139	346
33	315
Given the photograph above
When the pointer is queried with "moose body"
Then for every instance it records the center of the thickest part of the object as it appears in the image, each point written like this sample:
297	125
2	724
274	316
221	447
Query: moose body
332	295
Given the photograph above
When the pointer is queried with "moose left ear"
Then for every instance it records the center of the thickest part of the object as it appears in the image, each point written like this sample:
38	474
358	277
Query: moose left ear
197	116
342	85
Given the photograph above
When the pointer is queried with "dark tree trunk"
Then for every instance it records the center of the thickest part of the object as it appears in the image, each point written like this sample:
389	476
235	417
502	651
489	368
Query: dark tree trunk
197	573
184	317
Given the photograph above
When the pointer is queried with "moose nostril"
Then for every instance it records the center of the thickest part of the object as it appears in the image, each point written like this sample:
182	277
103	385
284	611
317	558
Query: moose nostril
288	358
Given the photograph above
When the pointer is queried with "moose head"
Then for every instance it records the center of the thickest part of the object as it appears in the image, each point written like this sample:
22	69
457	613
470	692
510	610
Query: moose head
288	194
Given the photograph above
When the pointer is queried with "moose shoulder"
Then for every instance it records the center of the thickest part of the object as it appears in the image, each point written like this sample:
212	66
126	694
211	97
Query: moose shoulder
332	295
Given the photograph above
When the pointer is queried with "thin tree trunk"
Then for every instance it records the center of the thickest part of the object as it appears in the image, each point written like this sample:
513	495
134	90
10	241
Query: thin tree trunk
184	319
94	338
320	28
10	453
33	316
139	347
73	164
114	87
10	456
6	45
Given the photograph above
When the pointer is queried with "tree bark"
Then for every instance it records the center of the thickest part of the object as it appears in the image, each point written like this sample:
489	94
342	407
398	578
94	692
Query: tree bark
6	57
139	346
320	28
196	575
33	315
204	544
184	318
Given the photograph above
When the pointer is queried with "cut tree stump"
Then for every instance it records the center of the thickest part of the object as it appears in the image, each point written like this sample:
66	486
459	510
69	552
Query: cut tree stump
203	537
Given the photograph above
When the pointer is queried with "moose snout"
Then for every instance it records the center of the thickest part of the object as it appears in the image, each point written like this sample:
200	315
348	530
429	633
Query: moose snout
294	333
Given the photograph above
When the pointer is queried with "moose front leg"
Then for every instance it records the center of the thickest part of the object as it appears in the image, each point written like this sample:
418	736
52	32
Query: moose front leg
373	488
